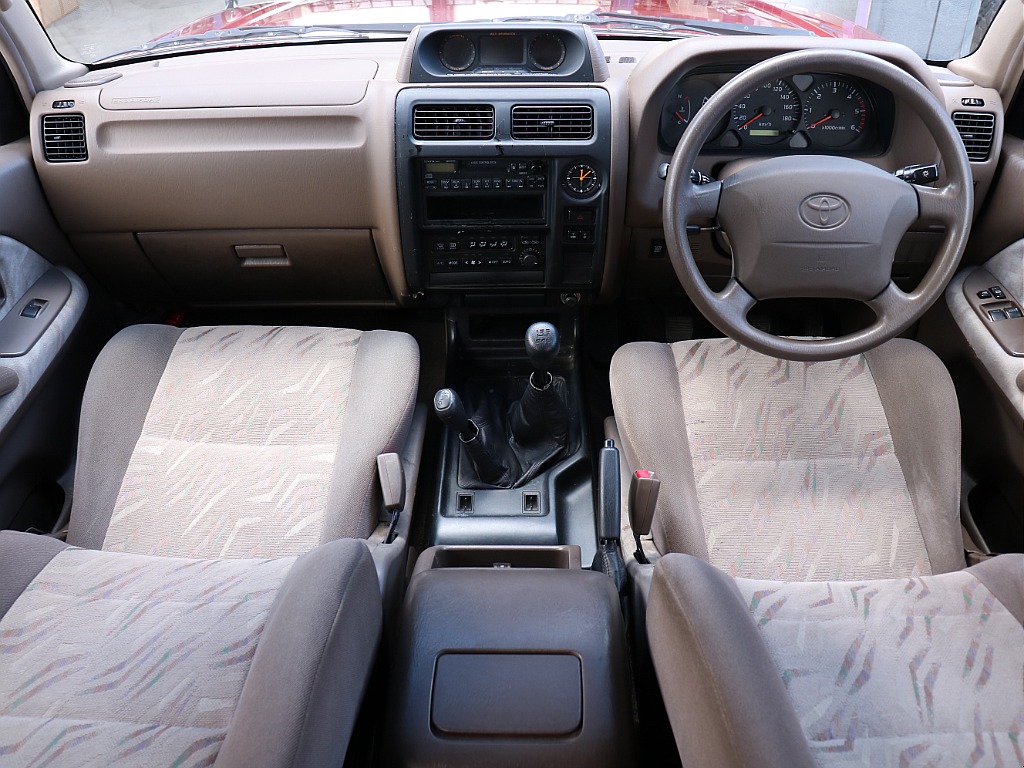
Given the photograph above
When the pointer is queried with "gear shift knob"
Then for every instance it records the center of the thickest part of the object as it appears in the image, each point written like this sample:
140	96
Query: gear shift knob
541	345
450	410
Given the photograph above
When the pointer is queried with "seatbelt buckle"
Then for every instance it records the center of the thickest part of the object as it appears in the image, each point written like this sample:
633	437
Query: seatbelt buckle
391	476
643	498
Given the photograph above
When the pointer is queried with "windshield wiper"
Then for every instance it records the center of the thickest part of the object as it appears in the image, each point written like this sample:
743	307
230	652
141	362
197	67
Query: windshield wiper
630	22
218	38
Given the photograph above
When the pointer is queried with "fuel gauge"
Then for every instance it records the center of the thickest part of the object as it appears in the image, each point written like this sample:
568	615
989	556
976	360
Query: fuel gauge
682	104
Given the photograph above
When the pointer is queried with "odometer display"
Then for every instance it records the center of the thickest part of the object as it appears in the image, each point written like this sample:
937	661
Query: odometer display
767	115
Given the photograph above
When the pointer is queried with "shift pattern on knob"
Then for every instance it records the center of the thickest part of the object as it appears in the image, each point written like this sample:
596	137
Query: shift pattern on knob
542	345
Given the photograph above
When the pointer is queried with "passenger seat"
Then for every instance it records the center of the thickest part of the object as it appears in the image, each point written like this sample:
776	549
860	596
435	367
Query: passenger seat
208	612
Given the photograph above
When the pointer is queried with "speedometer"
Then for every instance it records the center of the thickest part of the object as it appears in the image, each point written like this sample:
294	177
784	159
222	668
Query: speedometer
837	113
769	114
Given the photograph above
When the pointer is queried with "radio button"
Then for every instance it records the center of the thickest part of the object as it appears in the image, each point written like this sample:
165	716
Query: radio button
446	183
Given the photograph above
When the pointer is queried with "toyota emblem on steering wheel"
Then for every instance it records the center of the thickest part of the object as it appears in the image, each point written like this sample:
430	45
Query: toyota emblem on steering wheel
824	211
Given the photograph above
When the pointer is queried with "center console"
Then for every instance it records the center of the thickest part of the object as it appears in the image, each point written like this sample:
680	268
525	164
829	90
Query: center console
503	186
509	656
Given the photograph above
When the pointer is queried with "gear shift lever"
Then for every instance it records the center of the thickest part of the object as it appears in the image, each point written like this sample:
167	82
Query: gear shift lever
450	410
541	413
542	345
488	455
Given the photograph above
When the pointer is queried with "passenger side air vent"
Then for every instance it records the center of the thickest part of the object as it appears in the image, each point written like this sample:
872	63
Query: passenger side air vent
571	122
441	122
64	138
977	130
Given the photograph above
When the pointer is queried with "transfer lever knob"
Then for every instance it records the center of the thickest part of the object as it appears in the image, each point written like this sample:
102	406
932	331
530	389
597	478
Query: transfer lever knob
450	410
541	345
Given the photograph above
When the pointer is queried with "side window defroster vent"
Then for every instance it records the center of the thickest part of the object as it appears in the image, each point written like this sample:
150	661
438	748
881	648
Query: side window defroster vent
447	122
977	130
64	138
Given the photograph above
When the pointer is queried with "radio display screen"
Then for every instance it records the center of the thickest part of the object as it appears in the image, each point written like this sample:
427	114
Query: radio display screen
439	166
483	209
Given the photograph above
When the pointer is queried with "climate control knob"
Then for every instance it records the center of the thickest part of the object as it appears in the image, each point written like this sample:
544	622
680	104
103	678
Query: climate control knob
529	259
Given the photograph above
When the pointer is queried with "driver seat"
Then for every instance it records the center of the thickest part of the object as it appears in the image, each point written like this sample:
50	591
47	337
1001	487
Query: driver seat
817	507
848	469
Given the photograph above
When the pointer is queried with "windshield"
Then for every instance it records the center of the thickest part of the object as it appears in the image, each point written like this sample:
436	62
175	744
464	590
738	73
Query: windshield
94	31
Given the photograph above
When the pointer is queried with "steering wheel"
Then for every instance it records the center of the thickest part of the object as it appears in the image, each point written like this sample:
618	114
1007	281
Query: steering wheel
816	226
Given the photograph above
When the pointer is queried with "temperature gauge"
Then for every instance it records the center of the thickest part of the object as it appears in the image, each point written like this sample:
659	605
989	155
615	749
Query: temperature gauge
681	106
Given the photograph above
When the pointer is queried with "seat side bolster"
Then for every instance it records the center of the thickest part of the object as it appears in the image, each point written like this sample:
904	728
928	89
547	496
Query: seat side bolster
715	672
310	671
22	557
382	394
652	426
117	399
920	406
1003	576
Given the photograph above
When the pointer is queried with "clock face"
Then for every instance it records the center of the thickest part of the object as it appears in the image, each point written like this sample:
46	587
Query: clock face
581	180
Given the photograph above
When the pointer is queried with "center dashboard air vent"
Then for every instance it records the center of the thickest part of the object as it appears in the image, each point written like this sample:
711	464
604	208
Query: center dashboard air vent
977	129
448	122
567	122
64	138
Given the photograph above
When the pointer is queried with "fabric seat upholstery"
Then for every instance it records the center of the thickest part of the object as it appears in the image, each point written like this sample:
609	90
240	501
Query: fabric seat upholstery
238	441
891	672
139	660
806	471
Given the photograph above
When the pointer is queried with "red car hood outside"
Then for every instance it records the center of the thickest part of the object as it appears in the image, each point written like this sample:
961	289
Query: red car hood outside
354	12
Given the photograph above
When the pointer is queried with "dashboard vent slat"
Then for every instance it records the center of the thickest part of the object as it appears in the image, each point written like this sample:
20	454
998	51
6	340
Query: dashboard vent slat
448	122
64	138
568	122
977	129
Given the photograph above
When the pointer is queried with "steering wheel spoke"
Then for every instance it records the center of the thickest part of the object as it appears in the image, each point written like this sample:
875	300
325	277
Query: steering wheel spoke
938	203
701	201
735	302
891	303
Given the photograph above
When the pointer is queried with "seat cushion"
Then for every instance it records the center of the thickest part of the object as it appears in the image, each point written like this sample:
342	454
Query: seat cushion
889	672
239	441
785	470
110	658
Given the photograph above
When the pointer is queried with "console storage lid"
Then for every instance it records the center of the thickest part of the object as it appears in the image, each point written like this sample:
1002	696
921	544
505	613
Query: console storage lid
509	666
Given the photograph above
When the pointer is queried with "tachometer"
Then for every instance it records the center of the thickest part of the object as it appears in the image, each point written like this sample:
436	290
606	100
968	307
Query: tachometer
837	113
769	114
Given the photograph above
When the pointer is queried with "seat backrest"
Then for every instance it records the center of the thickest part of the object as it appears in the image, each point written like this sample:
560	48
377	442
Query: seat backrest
786	470
238	441
896	672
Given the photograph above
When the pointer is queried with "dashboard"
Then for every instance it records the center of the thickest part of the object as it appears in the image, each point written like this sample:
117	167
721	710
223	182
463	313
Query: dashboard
462	160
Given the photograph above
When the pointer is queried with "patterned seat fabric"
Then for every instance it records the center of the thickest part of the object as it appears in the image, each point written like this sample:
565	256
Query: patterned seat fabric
784	470
136	660
920	671
239	441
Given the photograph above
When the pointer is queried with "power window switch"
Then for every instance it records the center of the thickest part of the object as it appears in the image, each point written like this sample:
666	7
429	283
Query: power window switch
1014	312
33	308
996	314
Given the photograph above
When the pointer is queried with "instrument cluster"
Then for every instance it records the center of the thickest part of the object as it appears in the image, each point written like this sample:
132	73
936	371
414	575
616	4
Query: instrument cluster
808	112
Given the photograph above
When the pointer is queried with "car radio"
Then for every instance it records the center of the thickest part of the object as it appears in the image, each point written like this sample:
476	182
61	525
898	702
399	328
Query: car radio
497	210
